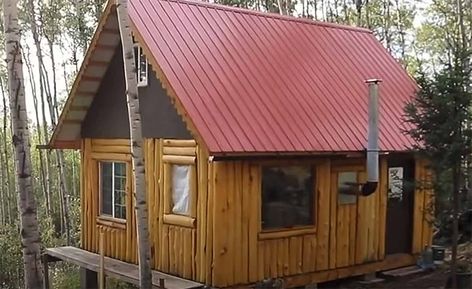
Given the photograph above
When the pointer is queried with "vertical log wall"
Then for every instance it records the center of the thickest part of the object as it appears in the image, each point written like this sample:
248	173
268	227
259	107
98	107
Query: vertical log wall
225	245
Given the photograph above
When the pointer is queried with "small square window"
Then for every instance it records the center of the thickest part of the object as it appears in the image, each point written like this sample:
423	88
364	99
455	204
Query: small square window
287	196
347	188
113	189
181	175
141	66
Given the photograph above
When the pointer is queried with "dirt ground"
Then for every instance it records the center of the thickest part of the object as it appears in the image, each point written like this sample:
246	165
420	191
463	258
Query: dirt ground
426	280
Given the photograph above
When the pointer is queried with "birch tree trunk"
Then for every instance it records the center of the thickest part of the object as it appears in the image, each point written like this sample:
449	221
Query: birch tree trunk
29	231
6	163
144	252
42	167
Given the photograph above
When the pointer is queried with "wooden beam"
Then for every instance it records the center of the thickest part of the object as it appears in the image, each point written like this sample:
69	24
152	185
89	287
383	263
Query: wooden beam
46	271
106	47
72	121
110	31
179	220
85	93
180	142
114	268
100	63
91	78
79	108
64	144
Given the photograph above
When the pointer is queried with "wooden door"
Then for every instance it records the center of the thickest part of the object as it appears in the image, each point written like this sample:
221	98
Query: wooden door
400	196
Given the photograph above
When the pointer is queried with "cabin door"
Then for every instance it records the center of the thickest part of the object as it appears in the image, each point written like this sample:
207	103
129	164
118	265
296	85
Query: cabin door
400	197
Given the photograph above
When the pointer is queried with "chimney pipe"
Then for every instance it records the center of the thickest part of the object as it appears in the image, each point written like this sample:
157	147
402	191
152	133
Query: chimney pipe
372	139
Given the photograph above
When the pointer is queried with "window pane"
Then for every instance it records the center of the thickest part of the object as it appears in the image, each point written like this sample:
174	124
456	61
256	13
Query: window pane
142	66
136	57
180	189
106	187
287	196
120	169
347	187
120	190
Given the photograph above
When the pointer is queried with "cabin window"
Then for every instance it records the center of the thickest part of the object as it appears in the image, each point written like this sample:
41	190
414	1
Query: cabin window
141	66
287	196
181	175
113	189
180	190
347	187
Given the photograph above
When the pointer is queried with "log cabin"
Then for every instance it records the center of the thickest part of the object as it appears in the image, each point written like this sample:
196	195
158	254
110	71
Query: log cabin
256	145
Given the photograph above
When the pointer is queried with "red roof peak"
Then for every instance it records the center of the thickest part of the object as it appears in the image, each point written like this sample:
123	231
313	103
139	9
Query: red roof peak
269	15
253	82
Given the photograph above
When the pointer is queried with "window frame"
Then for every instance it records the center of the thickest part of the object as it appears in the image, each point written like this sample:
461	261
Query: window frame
137	58
342	166
100	189
107	220
170	217
277	233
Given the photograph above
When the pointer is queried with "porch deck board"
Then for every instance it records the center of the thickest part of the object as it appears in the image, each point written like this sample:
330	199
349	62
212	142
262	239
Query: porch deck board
115	268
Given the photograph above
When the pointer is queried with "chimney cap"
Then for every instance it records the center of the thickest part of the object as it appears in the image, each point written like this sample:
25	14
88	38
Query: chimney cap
373	80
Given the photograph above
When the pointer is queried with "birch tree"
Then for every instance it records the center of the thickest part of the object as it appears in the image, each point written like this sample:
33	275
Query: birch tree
29	230
144	252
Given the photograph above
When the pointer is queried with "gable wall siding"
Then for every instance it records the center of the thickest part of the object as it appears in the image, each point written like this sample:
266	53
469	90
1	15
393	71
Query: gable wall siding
108	115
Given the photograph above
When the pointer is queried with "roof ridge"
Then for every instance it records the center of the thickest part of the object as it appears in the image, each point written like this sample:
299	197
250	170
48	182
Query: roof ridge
271	15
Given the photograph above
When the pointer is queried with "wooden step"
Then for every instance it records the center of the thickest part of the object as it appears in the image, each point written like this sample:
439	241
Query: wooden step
404	271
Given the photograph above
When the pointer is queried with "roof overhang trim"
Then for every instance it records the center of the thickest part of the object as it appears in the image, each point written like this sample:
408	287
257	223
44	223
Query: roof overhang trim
67	133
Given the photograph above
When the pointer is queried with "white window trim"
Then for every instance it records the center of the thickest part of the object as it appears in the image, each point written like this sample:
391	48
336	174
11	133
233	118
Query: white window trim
112	190
140	83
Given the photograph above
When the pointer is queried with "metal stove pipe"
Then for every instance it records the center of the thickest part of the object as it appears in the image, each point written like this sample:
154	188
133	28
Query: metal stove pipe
372	139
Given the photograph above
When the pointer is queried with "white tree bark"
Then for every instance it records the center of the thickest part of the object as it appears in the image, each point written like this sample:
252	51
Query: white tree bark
29	231
144	252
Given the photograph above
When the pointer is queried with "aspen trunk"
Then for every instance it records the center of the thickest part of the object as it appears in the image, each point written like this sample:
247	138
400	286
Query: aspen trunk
29	231
3	211
64	195
42	167
144	254
4	161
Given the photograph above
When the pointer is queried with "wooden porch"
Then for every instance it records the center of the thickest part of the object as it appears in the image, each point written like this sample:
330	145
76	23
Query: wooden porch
113	268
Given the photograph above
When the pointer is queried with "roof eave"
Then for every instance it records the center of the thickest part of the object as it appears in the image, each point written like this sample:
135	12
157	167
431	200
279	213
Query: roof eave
54	142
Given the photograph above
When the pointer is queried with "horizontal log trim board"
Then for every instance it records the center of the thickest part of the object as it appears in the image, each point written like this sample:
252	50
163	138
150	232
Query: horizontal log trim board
221	242
114	268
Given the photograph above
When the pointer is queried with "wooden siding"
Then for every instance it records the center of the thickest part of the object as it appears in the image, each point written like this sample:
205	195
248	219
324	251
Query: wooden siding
175	249
345	236
120	239
225	246
423	208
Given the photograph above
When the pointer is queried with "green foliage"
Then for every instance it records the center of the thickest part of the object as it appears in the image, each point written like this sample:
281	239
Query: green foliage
440	117
440	114
65	276
11	266
438	35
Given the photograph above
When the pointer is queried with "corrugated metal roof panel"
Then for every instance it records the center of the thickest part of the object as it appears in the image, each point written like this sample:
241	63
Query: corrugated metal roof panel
258	82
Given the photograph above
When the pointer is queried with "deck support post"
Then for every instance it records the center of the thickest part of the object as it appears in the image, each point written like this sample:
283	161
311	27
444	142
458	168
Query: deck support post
88	279
45	260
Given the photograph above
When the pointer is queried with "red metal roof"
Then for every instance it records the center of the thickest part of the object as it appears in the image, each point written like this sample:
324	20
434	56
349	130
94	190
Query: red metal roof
259	82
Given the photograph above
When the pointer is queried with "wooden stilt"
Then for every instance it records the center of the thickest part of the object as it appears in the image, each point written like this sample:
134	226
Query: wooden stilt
88	279
162	284
46	271
101	274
